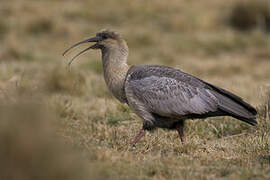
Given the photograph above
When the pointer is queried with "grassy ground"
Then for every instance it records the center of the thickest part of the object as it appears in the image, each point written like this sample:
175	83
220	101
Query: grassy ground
75	129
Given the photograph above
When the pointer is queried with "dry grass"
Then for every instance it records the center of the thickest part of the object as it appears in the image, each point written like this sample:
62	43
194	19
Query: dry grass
57	123
247	15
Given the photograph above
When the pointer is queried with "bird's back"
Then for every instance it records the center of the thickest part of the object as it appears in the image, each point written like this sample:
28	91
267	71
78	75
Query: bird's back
145	71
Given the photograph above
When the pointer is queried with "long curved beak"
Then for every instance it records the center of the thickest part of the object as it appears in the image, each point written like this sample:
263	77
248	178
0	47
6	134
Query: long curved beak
94	39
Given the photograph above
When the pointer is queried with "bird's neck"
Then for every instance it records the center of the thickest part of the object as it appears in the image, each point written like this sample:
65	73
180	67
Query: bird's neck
115	69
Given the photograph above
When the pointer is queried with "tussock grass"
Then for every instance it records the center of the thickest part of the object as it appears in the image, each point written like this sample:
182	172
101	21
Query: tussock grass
14	53
3	29
40	26
60	123
247	15
30	147
64	81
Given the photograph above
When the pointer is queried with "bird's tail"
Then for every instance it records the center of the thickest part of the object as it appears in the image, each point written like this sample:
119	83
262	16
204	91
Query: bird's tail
235	106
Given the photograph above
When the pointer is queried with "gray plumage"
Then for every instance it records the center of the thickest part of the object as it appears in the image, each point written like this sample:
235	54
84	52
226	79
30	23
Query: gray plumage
166	92
161	96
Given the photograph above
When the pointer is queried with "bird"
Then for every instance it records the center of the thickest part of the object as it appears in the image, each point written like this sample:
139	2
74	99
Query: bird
161	96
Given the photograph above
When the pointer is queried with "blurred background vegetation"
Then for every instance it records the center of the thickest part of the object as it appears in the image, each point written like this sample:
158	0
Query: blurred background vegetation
61	123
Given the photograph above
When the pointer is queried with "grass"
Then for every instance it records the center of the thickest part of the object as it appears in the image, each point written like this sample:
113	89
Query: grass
63	80
247	15
65	124
40	26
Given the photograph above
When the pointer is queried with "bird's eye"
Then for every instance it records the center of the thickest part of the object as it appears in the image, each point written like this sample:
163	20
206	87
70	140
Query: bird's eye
104	36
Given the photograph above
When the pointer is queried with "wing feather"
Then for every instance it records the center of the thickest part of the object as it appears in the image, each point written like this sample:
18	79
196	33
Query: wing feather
165	95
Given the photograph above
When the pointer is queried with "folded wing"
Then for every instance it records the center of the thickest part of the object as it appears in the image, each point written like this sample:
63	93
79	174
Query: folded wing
171	93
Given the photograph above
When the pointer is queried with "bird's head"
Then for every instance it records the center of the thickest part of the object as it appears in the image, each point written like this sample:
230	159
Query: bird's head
105	40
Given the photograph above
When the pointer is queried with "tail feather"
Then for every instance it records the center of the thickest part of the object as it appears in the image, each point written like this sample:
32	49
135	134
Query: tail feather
235	106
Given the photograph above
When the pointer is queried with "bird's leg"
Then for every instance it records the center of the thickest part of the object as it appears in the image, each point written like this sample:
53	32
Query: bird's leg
138	137
180	129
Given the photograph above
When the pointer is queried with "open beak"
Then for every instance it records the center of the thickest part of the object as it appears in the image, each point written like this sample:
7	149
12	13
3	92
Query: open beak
94	39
